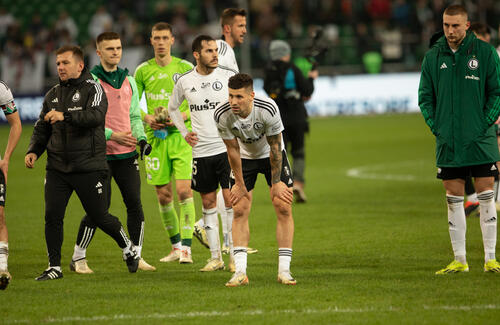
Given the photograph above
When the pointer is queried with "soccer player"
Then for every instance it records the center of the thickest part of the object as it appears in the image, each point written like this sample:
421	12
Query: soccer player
171	155
251	128
205	87
124	129
460	82
234	29
71	129
9	109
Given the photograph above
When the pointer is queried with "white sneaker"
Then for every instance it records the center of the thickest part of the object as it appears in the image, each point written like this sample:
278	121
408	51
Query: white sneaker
80	267
174	255
185	257
145	266
286	278
213	264
251	250
239	279
5	278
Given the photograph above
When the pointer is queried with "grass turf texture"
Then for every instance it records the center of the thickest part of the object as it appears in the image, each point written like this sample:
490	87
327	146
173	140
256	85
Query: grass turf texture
365	249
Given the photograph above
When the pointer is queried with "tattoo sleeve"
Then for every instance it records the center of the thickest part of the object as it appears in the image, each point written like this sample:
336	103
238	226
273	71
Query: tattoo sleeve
275	157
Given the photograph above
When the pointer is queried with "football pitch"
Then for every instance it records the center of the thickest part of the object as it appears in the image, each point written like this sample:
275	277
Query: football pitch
367	244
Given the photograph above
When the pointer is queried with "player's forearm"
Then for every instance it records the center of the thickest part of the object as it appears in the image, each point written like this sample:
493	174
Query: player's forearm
178	120
234	158
14	136
275	157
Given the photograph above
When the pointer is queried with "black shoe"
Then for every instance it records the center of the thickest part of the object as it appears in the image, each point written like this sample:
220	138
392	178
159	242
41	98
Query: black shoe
132	260
50	274
4	279
470	208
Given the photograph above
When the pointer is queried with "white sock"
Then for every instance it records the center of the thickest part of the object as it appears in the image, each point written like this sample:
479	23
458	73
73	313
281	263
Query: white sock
200	223
457	226
186	248
177	245
55	267
221	210
79	253
285	257
138	250
212	230
4	255
472	198
488	221
229	220
240	259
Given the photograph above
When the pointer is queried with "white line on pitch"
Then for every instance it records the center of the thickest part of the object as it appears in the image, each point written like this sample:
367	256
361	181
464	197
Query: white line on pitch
331	310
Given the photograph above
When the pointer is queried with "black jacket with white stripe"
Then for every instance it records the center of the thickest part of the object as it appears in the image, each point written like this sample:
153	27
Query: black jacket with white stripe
78	143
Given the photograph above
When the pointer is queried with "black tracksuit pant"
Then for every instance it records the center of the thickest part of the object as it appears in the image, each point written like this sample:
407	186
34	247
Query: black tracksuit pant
126	175
294	135
91	188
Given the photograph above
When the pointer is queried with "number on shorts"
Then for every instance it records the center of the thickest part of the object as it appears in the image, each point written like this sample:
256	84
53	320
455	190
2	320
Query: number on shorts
152	163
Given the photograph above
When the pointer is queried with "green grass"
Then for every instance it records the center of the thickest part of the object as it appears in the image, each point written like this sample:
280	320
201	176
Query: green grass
365	249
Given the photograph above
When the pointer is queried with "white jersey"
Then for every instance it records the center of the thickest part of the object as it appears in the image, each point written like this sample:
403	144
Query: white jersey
226	55
264	120
203	94
5	94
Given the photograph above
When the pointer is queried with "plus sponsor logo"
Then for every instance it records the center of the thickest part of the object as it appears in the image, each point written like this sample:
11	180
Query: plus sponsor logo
207	105
163	95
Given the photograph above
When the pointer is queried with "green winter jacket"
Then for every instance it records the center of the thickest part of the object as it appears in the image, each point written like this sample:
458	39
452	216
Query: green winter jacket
459	96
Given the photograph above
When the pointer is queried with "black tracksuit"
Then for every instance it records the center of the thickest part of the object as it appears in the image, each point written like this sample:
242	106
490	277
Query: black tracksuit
76	159
286	84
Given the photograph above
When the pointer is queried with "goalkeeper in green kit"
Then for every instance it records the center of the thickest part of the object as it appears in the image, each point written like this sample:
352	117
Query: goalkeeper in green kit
171	155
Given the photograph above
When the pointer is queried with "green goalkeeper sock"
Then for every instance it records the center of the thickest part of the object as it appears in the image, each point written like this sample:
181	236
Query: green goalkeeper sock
188	217
170	221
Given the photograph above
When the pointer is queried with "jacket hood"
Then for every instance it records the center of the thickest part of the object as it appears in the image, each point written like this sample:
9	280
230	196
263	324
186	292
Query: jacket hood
85	75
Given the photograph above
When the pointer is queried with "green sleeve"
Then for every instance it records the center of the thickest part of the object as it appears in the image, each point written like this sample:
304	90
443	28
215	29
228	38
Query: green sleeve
492	107
107	131
140	88
426	96
135	112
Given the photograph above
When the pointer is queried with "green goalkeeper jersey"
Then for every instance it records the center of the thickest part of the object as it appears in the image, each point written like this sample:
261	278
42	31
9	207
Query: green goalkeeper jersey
158	83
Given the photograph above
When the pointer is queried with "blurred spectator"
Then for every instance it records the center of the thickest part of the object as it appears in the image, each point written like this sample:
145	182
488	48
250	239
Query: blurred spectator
66	23
100	22
126	27
162	13
6	19
379	9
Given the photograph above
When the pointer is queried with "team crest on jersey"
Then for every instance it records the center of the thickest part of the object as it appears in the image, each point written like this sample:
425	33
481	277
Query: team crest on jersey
217	85
473	64
258	126
175	77
76	96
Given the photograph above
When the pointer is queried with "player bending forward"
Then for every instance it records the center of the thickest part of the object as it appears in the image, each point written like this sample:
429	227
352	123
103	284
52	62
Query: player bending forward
251	129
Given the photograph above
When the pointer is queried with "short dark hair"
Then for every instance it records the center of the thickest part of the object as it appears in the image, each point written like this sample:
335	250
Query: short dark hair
196	47
480	29
455	10
240	80
76	50
106	36
162	26
227	16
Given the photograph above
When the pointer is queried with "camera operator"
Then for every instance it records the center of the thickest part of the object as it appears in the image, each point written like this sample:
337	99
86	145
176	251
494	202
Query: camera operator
285	83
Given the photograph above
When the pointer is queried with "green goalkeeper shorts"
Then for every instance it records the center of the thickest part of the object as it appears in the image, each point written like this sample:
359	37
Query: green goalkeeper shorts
169	157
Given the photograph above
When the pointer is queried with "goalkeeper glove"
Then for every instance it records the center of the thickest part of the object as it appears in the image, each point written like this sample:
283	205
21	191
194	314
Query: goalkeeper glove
145	148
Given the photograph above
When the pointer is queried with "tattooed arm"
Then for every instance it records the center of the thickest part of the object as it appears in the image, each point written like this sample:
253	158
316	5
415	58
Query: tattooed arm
275	157
278	188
